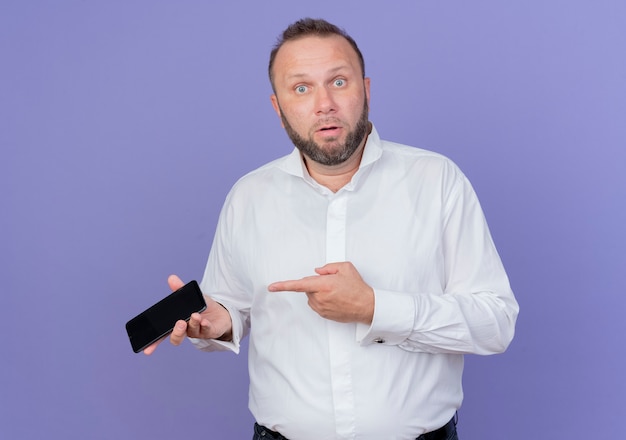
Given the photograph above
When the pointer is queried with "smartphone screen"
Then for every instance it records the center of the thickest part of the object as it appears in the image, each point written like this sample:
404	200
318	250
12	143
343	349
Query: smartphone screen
157	321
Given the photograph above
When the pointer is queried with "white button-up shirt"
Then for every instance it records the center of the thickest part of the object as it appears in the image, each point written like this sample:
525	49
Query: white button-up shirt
411	224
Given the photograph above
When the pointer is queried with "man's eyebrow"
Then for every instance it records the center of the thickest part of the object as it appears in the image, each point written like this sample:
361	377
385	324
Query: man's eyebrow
331	72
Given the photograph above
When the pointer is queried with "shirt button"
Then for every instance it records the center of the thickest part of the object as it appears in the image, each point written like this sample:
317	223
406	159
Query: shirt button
379	340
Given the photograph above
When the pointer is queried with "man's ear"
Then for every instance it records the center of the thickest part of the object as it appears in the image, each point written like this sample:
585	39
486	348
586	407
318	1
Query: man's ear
366	82
276	107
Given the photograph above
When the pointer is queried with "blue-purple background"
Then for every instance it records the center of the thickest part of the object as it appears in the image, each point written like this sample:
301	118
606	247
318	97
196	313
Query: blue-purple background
124	124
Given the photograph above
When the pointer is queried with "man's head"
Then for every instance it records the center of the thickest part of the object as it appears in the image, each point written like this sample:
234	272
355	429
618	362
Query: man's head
308	27
320	91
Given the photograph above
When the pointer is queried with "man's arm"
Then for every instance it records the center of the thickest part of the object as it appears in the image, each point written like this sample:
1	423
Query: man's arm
475	312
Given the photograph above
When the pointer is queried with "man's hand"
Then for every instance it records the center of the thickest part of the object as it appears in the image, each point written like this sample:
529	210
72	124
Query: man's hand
337	293
213	323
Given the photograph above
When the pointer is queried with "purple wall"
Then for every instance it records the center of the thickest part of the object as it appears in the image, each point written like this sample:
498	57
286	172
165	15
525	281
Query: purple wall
123	125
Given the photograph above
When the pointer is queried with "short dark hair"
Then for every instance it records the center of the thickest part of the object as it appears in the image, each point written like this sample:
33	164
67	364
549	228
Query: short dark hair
306	27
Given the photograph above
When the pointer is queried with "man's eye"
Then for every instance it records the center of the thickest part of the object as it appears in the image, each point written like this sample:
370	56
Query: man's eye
301	89
340	82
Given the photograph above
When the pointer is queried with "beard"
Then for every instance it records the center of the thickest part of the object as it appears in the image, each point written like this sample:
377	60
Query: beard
335	153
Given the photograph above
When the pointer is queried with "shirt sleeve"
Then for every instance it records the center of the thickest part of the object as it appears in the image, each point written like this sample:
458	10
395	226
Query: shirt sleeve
477	311
225	285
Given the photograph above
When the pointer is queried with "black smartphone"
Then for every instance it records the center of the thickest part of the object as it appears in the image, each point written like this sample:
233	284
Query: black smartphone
157	321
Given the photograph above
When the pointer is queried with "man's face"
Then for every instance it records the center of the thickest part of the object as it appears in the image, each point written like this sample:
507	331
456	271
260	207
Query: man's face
321	97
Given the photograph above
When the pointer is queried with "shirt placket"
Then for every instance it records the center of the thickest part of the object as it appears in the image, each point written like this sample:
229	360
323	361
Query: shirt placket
341	336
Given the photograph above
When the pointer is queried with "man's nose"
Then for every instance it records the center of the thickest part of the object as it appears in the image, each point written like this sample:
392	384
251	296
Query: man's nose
324	101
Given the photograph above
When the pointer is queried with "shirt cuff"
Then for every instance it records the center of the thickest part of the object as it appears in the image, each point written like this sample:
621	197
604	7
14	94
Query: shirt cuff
215	345
394	317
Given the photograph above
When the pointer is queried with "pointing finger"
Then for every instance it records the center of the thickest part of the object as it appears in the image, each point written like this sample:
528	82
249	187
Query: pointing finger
304	285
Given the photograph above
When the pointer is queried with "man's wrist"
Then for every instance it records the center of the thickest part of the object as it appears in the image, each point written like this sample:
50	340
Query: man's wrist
228	336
